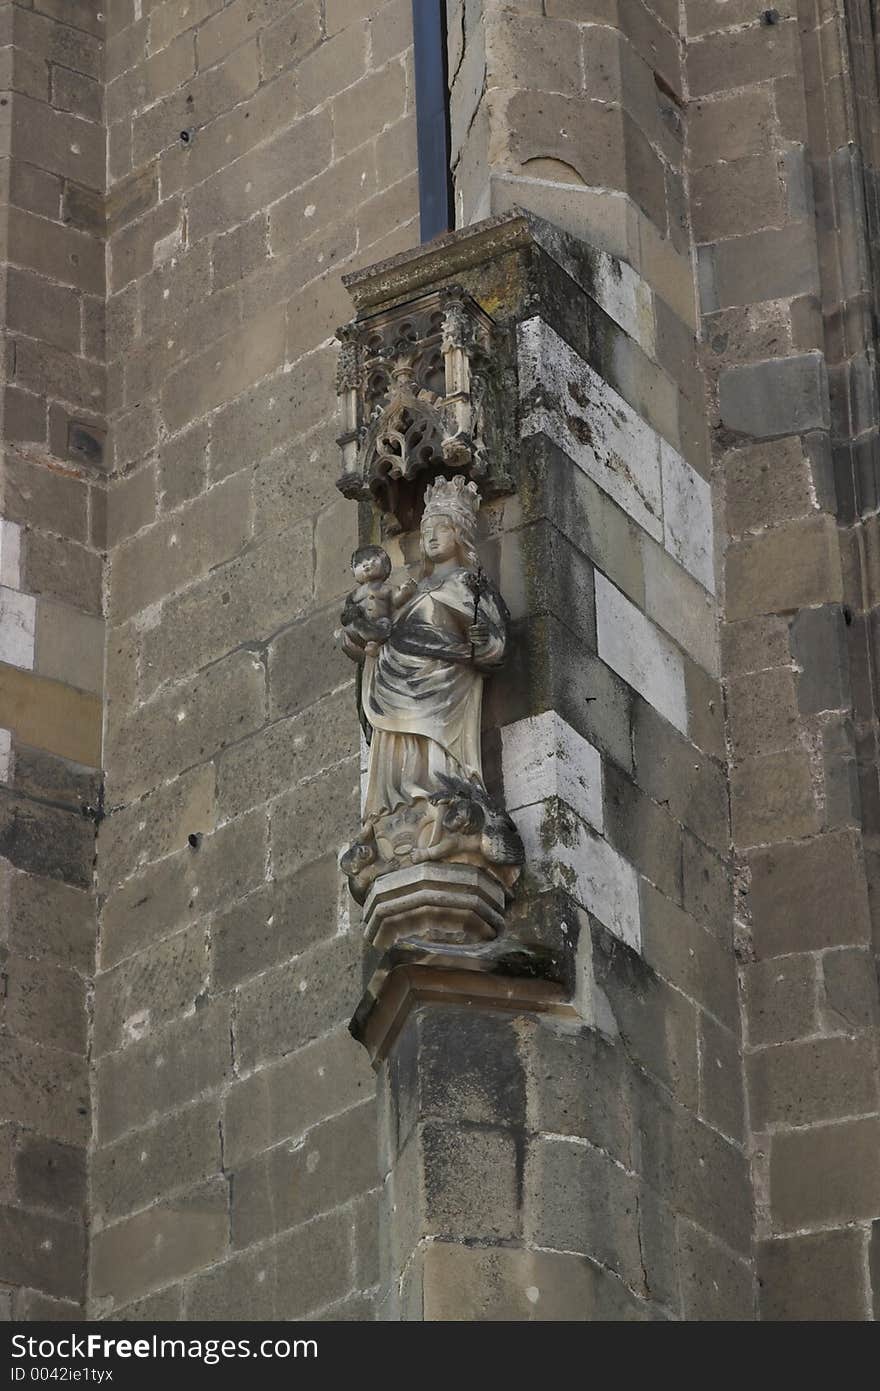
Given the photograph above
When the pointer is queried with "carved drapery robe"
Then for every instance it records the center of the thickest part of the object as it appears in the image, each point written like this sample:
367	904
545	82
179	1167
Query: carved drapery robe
422	694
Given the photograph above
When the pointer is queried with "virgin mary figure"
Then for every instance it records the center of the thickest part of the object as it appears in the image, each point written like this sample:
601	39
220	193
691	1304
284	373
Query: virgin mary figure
422	693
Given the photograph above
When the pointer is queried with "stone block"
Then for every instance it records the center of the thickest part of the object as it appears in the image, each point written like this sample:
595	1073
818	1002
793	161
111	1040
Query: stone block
35	190
260	177
286	1098
808	896
267	418
657	1024
725	60
767	483
58	142
784	396
731	127
293	1004
51	1175
198	103
63	570
165	1306
241	1287
235	254
562	851
763	712
688	956
634	648
716	1285
286	752
157	825
129	1003
680	606
644	833
819	647
313	1265
452	1161
678	776
577	1199
190	1056
42	1252
315	816
455	1065
754	644
703	1176
46	1090
47	840
49	920
772	798
499	1284
577	1085
288	1186
824	1175
41	309
590	422
766	265
246	600
164	1243
364	109
722	1090
179	1151
292	36
732	198
18	615
850	997
813	1279
807	1082
224	370
540	572
278	922
69	646
183	466
306	664
46	1004
781	1003
189	724
544	757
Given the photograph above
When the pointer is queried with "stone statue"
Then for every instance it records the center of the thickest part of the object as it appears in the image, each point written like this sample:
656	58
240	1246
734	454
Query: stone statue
425	649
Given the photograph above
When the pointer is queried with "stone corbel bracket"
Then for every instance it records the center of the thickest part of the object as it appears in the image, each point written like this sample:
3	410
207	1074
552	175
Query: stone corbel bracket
416	393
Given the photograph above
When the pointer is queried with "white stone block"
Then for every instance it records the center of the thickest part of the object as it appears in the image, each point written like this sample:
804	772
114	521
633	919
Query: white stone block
626	299
646	659
592	423
573	857
544	757
18	624
687	517
681	606
10	554
5	755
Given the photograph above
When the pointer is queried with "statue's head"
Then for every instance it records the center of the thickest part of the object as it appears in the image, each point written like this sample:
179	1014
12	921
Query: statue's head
370	563
357	857
449	523
463	816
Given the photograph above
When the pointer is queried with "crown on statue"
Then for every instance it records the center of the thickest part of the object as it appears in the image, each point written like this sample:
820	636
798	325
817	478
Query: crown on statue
455	498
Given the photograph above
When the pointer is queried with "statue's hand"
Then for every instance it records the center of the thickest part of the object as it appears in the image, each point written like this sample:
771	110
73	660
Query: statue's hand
479	637
352	649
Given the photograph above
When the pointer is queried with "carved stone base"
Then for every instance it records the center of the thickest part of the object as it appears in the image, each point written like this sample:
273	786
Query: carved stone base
447	903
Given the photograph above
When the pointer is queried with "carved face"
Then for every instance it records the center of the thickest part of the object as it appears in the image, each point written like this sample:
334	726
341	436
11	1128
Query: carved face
439	539
370	568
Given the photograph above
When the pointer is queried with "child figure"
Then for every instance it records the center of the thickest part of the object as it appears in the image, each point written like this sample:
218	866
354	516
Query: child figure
366	616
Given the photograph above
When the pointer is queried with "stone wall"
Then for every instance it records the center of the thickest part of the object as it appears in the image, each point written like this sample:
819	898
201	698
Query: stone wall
52	537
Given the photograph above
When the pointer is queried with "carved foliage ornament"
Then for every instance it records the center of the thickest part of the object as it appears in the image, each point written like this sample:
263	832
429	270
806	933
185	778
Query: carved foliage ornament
413	383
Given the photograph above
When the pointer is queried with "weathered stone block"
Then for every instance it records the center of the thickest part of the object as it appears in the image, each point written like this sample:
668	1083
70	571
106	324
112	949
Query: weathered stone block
809	896
63	570
725	60
688	956
48	919
161	1244
781	1003
643	832
817	1080
69	646
287	1186
680	777
577	1085
763	714
850	980
47	840
41	1251
453	1161
286	1098
51	1175
634	648
813	1278
277	922
294	1003
824	1175
716	1285
180	1150
772	798
577	1198
45	1003
129	1003
544	757
784	396
163	1072
819	646
45	1089
733	197
315	816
